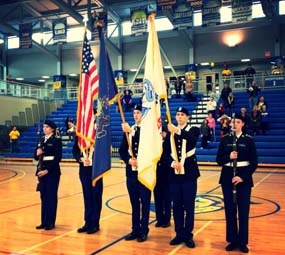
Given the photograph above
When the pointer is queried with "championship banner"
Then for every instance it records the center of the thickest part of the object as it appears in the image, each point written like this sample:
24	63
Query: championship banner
241	10
139	21
182	17
25	35
211	16
195	4
59	81
165	4
190	72
59	30
98	19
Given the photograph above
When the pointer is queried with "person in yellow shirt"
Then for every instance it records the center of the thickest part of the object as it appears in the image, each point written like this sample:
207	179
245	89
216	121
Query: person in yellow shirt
14	136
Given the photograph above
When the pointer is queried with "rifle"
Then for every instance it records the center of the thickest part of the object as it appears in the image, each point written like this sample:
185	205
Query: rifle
40	162
235	160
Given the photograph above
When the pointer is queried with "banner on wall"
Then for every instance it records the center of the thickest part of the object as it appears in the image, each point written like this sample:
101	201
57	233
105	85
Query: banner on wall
165	4
195	4
139	21
59	81
98	19
190	72
241	10
59	30
182	17
211	16
25	35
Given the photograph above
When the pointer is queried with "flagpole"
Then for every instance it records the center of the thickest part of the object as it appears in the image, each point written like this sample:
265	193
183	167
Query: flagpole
124	121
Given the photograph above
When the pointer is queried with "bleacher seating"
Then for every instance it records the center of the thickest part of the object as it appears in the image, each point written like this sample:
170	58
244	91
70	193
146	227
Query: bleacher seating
271	147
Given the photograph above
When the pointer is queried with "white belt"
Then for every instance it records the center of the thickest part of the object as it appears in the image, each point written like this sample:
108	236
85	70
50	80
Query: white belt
190	153
48	158
239	164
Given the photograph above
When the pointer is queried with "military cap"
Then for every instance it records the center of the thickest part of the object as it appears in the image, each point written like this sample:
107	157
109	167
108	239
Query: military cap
138	107
237	115
50	124
183	110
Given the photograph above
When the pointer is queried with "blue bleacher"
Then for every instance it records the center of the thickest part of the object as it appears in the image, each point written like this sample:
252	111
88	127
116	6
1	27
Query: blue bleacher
271	147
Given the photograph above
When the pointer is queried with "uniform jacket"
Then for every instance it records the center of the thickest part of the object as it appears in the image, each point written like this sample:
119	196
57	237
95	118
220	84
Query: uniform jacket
246	152
191	135
52	154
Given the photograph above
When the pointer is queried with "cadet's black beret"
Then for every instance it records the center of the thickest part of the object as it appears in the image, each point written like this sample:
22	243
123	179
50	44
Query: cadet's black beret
238	115
138	107
182	109
50	124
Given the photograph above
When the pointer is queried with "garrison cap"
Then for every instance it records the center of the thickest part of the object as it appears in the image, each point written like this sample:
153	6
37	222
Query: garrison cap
238	115
183	110
138	107
50	124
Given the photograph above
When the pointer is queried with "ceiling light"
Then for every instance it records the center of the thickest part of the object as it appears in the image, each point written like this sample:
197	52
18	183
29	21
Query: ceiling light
245	60
1	41
45	77
41	80
19	79
167	67
205	64
73	74
133	70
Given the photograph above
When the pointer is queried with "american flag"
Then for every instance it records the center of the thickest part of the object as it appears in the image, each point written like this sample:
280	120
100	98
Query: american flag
88	89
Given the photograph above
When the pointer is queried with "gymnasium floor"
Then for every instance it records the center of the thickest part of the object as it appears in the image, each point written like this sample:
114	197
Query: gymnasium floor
20	213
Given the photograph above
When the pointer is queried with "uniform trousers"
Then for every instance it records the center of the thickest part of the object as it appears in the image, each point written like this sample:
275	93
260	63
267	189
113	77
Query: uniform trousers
183	195
140	201
48	192
92	199
237	228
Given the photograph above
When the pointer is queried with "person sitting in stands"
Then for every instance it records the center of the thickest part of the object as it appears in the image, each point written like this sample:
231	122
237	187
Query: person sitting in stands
127	101
260	103
264	119
188	95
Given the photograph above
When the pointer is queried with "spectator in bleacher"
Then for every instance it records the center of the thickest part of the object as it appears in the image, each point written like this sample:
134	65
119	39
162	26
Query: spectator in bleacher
71	130
188	95
14	136
255	120
224	121
205	133
226	73
249	72
220	110
264	119
253	92
260	103
128	91
127	101
247	125
212	126
224	94
178	87
230	104
211	106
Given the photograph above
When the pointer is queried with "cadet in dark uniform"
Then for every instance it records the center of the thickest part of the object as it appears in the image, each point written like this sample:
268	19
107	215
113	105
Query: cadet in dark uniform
183	177
161	192
245	158
92	195
139	195
49	153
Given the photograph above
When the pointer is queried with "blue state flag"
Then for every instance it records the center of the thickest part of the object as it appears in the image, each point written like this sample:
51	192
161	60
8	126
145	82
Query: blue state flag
106	95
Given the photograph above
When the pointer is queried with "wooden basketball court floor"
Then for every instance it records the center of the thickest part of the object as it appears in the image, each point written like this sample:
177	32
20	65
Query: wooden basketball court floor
20	213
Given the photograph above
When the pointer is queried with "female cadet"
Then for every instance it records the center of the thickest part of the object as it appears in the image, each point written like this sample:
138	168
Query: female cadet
237	156
49	154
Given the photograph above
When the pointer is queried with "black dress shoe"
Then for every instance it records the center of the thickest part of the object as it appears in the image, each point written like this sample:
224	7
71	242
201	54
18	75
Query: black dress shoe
82	229
49	227
176	240
190	243
92	230
141	238
244	249
40	226
231	247
131	236
166	225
